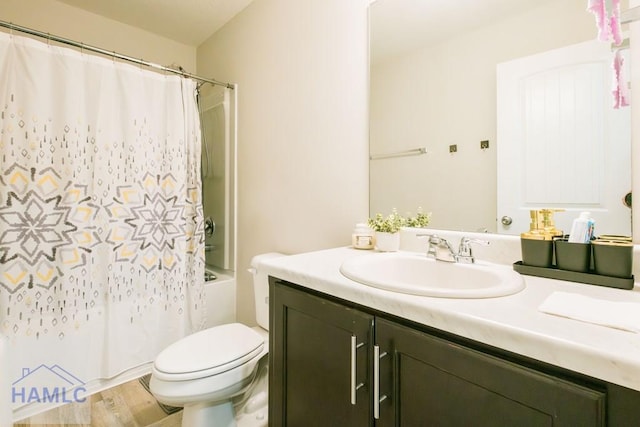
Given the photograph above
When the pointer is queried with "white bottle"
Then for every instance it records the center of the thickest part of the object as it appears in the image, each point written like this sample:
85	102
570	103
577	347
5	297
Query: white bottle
582	229
362	237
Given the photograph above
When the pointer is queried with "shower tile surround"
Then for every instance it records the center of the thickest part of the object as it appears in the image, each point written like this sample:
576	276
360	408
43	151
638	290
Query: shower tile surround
512	323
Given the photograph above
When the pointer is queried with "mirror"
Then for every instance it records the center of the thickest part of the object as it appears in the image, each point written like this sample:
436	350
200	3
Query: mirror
433	101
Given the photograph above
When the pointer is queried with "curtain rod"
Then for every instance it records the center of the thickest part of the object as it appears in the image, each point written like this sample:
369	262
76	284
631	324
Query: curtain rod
112	54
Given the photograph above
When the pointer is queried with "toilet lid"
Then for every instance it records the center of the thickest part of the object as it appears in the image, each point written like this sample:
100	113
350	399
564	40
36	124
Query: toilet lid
216	350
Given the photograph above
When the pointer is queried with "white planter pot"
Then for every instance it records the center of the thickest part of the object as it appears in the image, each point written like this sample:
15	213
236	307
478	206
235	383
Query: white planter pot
387	242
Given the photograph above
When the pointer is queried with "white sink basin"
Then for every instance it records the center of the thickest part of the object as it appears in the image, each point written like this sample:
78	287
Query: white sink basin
416	274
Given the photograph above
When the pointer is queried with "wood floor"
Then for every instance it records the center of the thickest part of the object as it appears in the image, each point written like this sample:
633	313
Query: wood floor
127	405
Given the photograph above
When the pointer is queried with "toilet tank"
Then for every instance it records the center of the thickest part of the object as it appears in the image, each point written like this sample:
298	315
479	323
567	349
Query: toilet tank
261	288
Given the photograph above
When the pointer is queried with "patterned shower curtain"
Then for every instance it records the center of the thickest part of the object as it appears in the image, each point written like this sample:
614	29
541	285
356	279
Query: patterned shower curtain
101	238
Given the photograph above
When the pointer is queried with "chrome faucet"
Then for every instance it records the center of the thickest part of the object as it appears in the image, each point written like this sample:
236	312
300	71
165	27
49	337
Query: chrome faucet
465	254
440	249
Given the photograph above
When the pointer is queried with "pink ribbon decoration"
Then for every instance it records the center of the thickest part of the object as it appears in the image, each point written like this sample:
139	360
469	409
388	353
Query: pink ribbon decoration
607	19
620	89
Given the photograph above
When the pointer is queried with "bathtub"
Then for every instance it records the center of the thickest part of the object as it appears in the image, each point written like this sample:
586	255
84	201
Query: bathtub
220	297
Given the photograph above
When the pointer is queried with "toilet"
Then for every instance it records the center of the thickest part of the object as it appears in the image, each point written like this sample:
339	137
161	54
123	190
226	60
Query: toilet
205	371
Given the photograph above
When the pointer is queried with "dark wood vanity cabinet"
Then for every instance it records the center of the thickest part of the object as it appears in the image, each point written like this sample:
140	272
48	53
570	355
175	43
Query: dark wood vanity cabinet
434	382
330	361
319	359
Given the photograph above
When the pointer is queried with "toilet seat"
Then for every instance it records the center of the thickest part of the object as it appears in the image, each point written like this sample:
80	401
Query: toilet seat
208	352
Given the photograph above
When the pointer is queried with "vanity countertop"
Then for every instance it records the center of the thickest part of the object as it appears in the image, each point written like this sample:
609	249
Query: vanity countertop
512	322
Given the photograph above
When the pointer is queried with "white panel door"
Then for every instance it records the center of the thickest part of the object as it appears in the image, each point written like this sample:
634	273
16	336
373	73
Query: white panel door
560	143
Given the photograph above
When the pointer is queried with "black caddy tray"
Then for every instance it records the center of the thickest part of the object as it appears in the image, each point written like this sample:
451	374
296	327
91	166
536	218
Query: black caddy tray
574	276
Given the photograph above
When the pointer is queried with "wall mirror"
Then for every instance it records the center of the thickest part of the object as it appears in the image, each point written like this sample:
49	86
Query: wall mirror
434	130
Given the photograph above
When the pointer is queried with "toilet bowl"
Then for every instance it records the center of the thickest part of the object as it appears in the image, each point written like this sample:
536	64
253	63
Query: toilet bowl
204	371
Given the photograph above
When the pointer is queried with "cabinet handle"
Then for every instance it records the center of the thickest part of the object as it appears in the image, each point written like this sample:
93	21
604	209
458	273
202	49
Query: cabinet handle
354	368
376	381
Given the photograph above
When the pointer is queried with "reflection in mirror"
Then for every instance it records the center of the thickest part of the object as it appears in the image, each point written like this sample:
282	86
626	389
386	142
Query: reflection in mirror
437	89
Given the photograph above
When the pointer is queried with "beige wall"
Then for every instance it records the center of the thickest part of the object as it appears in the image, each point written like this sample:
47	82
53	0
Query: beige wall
66	21
446	94
302	71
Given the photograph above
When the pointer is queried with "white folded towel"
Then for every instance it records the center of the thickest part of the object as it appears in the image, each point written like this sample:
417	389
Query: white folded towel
614	314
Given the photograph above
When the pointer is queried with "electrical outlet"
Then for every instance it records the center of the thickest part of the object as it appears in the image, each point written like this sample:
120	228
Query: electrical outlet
453	148
484	145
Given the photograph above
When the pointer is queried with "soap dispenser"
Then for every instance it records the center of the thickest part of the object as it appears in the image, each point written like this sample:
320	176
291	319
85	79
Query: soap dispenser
537	243
542	226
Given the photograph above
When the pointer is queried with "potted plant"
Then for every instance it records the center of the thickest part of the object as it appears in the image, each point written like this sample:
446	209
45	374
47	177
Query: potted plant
421	220
387	230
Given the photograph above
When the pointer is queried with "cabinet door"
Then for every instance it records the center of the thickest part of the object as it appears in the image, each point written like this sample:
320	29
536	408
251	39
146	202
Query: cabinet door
320	354
434	382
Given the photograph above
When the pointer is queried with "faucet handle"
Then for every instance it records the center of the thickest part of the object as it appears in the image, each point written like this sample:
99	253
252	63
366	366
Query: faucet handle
465	254
433	241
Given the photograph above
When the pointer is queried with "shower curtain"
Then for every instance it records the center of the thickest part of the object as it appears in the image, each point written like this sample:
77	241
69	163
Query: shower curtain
101	228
